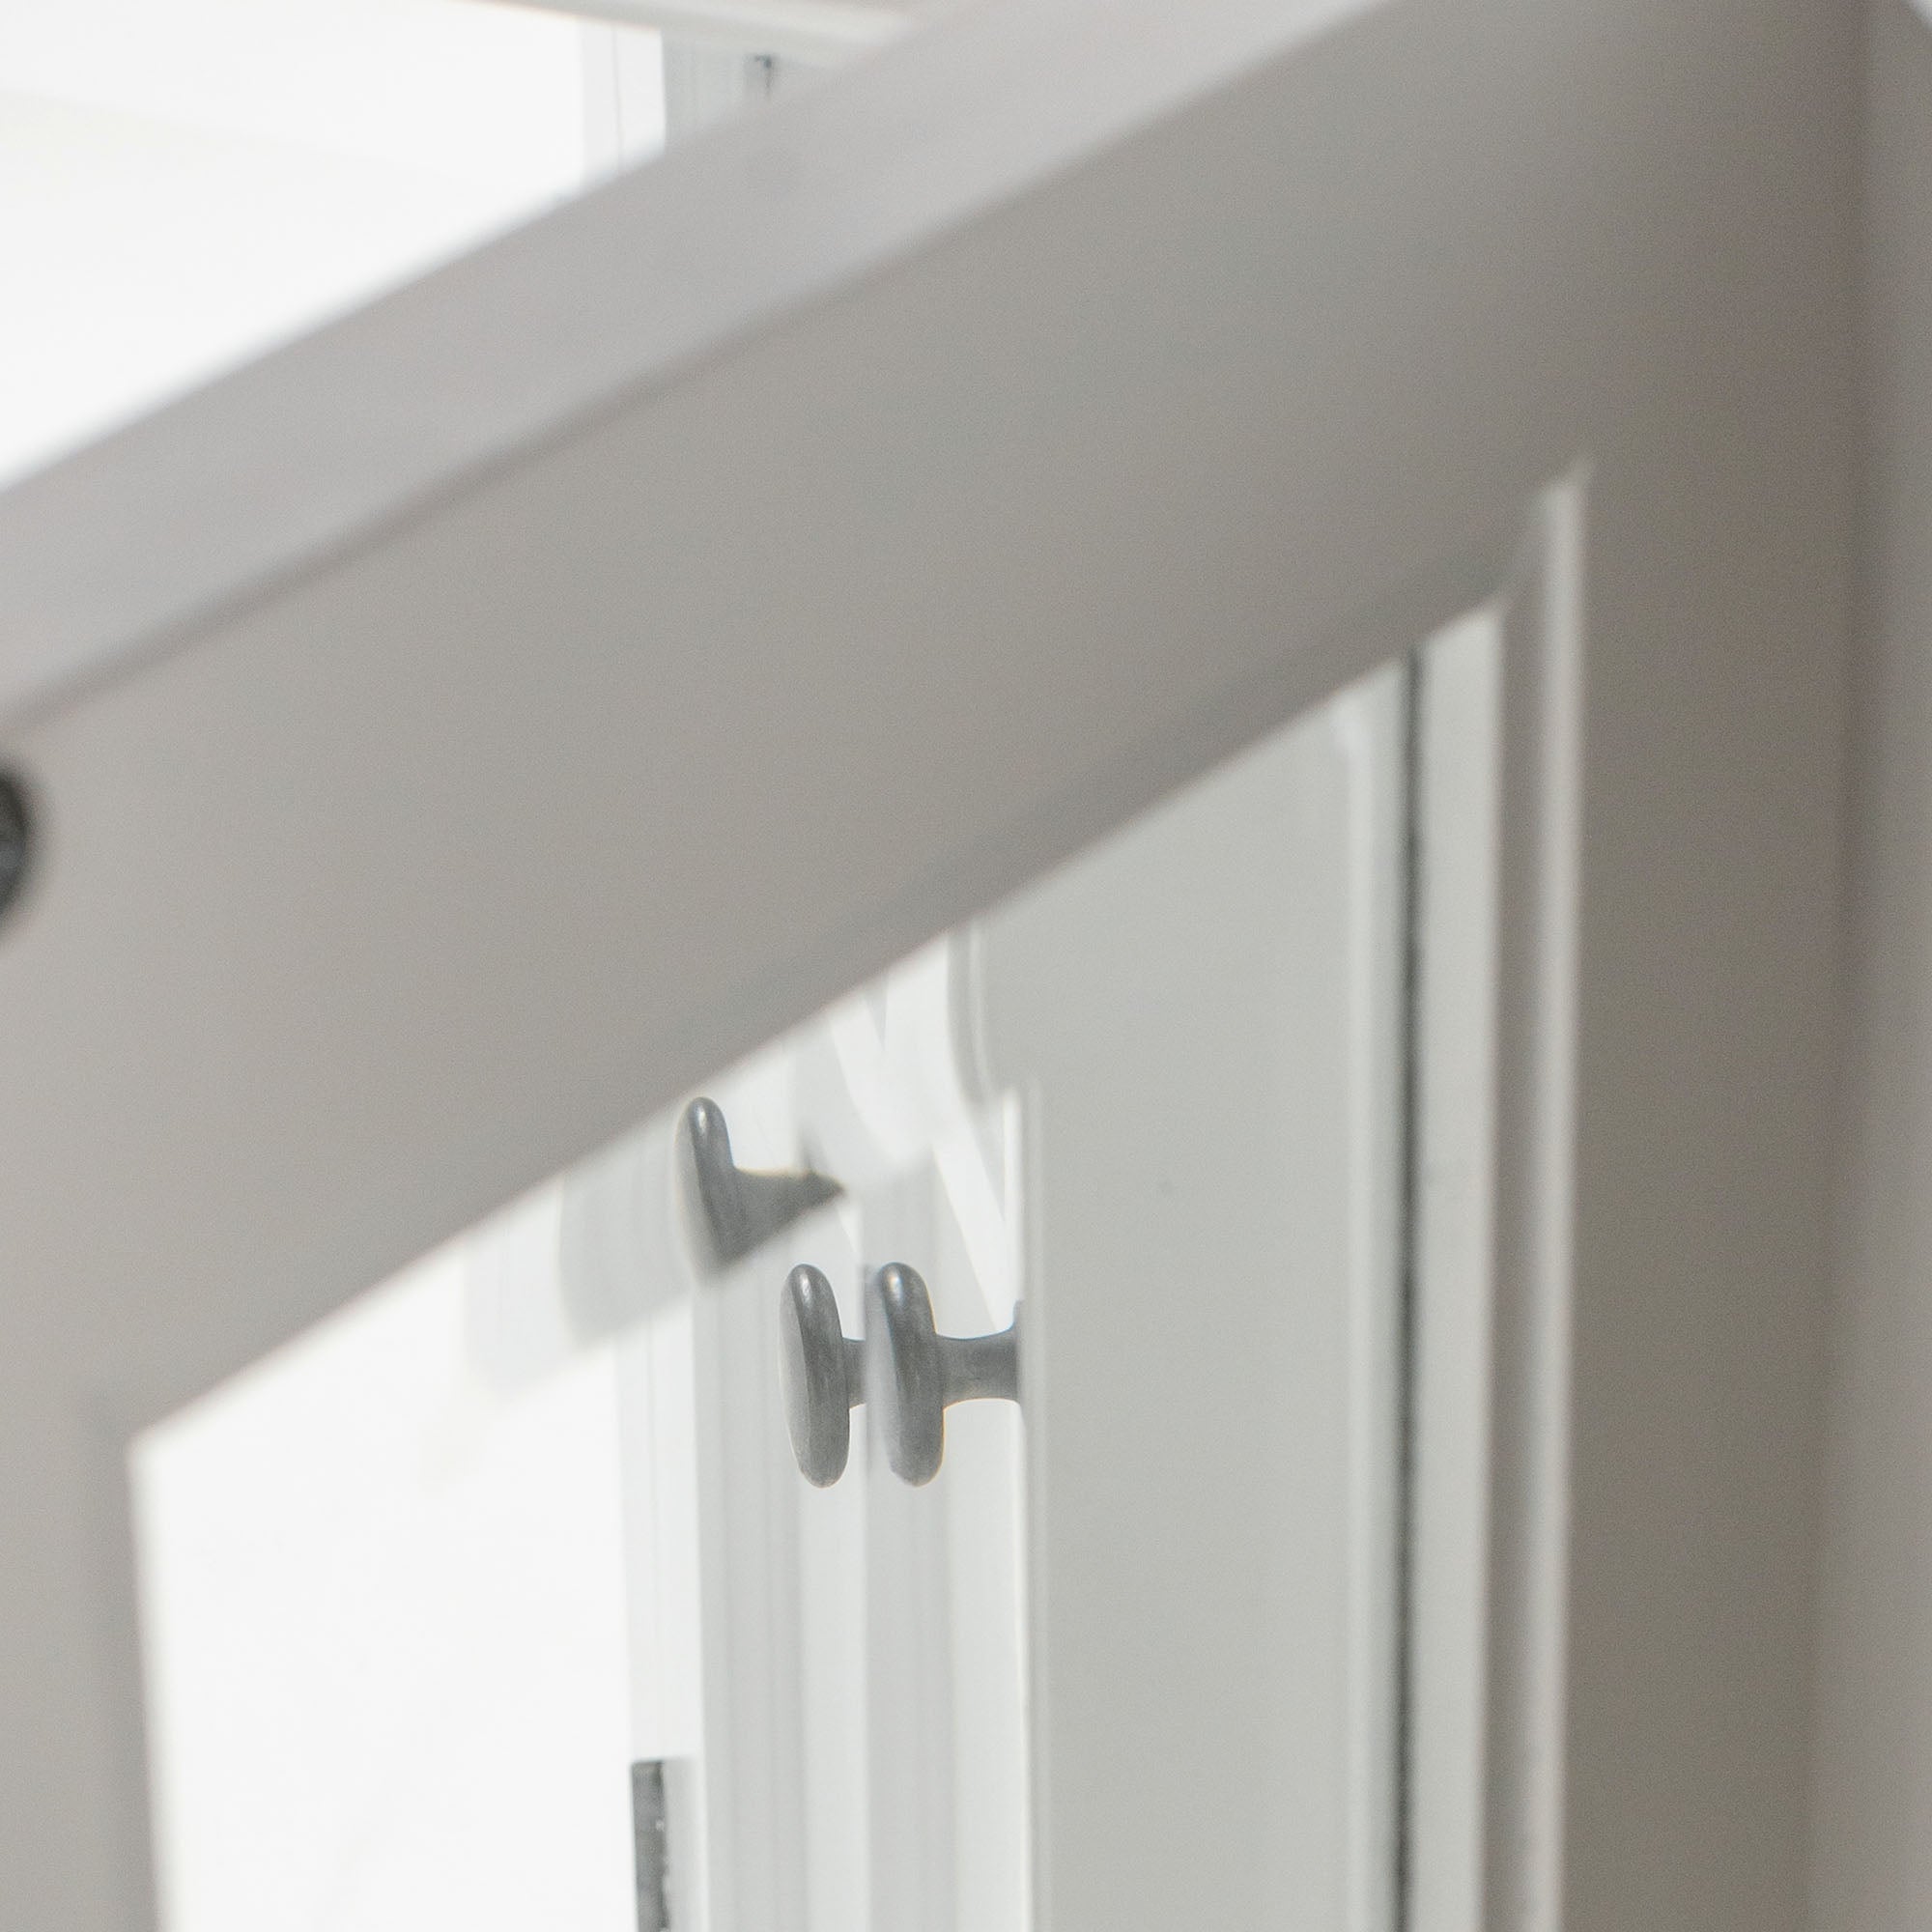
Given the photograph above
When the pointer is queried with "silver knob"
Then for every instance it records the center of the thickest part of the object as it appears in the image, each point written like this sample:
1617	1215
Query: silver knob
915	1375
910	1373
823	1374
731	1209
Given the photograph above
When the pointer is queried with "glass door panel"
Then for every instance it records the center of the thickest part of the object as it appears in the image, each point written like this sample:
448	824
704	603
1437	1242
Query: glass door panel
502	1598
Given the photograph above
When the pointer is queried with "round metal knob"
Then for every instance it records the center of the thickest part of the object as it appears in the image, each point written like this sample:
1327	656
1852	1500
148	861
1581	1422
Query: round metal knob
915	1375
728	1208
910	1373
822	1373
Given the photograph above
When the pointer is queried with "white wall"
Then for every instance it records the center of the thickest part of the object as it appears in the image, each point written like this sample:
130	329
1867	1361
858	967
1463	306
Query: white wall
185	186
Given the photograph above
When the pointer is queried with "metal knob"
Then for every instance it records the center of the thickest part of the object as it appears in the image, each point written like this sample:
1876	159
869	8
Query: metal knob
910	1373
823	1374
731	1209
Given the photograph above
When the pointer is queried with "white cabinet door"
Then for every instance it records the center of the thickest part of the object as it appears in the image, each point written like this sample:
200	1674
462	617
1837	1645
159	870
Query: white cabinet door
457	736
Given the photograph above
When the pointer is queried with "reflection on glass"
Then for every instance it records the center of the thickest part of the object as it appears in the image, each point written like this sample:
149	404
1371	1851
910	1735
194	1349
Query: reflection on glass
499	1601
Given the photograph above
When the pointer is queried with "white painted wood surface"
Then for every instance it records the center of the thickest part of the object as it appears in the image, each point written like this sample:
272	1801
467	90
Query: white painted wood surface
455	735
1458	781
1206	1018
1871	1832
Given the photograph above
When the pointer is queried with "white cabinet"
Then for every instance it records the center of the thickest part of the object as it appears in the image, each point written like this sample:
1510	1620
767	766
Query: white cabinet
458	736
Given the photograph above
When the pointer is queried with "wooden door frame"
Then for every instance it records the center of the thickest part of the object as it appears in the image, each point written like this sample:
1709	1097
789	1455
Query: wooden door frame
365	826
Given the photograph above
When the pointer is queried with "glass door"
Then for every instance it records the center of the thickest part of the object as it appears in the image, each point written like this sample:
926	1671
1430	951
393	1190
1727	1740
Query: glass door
522	1587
